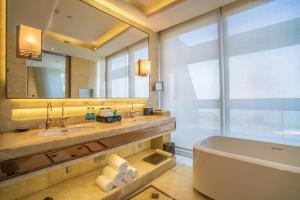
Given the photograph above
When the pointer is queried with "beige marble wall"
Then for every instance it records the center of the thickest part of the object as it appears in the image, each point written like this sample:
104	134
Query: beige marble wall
153	56
83	75
31	113
16	71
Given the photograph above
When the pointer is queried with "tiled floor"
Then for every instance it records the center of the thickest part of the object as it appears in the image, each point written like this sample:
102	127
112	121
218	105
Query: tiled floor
178	181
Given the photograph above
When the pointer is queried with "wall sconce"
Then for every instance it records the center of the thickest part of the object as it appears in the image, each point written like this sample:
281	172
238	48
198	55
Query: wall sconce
142	67
29	43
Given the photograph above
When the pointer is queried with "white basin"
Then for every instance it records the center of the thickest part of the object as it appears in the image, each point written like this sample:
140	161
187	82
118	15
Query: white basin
139	119
63	131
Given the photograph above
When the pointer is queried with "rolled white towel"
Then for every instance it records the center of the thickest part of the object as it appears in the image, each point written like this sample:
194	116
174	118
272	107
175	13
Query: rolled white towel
114	175
118	163
105	183
135	172
128	176
119	182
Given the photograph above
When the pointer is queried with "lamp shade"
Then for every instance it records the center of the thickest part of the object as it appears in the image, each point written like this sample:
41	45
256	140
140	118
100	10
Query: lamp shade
142	67
29	42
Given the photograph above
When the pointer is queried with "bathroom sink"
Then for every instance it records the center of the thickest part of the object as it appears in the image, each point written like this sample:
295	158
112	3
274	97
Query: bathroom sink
138	119
63	131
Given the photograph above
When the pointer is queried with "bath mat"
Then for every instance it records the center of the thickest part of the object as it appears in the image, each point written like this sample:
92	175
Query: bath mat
155	158
151	193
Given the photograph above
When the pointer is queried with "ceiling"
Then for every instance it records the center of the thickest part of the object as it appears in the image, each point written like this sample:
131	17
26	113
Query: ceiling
75	28
23	12
125	39
49	61
174	11
68	19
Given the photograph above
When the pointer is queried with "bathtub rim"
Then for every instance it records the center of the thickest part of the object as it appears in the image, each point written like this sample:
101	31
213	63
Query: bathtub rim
248	159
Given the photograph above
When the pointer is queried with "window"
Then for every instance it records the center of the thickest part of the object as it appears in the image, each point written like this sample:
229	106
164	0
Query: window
264	70
140	84
191	74
121	79
117	75
261	79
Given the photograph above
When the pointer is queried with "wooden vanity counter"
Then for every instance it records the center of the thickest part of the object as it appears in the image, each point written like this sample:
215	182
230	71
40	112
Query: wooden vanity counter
13	145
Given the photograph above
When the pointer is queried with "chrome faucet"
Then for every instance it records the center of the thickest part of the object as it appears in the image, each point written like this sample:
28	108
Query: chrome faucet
63	118
132	112
48	120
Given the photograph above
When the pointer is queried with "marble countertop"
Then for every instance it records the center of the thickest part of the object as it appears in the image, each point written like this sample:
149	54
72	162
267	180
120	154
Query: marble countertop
19	144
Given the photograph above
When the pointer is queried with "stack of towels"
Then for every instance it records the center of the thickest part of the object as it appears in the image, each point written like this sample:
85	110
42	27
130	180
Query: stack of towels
116	173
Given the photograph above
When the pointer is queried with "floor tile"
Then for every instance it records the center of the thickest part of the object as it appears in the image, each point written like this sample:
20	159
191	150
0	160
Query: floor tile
177	182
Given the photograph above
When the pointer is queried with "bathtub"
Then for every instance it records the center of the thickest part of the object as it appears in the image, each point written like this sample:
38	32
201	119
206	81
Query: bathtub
226	168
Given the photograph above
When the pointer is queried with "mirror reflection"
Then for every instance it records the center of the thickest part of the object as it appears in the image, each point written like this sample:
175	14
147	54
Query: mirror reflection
90	56
47	78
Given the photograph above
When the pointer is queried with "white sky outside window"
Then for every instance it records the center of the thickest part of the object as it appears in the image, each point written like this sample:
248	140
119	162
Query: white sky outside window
117	76
264	15
264	71
267	74
200	35
205	79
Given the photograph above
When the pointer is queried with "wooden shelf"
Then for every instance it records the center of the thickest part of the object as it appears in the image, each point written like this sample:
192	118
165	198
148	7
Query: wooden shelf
85	187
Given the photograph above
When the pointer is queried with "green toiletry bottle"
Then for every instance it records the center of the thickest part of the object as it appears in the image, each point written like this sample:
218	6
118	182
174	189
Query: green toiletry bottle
93	114
88	114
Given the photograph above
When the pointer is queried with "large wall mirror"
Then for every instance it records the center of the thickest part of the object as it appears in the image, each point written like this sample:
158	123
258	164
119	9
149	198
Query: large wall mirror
86	53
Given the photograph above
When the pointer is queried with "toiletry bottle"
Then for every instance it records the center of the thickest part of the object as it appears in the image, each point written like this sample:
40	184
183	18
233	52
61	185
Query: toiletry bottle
109	112
101	112
87	114
93	114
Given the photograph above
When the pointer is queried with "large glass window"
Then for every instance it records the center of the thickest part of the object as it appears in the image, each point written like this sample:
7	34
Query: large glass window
264	70
122	81
260	73
117	75
139	84
191	74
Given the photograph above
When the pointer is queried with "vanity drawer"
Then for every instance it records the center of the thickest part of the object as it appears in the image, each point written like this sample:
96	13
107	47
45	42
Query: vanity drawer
69	153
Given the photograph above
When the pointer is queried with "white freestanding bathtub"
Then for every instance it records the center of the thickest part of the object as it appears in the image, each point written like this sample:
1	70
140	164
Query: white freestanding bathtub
226	168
